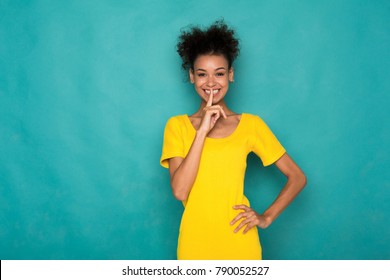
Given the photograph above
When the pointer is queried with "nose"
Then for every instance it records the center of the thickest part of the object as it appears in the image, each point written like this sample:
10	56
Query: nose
211	81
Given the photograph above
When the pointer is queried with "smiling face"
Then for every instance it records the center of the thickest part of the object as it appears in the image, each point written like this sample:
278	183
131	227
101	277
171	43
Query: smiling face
211	75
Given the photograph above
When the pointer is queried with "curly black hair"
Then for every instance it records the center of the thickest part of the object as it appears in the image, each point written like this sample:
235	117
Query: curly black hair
217	39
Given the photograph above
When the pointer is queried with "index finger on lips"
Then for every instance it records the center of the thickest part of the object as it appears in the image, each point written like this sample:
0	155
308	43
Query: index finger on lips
210	100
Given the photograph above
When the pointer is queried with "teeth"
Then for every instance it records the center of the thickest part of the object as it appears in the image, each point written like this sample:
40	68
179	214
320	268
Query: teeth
215	91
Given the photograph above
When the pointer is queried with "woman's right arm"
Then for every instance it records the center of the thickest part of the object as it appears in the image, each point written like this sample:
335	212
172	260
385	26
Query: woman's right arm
183	171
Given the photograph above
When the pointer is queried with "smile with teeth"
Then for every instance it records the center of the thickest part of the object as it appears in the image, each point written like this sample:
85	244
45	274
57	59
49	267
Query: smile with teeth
208	91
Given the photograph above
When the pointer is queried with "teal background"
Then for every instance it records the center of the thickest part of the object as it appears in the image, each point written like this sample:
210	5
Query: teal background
87	86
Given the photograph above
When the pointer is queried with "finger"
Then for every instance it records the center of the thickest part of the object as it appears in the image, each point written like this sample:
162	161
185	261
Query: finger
242	214
242	207
214	118
223	113
243	223
210	100
212	111
249	226
220	108
237	218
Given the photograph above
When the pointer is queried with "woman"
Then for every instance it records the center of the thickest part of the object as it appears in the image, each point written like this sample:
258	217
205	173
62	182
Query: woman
206	156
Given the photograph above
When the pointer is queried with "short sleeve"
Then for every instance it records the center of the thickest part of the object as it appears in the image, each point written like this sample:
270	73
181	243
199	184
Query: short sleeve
266	146
173	142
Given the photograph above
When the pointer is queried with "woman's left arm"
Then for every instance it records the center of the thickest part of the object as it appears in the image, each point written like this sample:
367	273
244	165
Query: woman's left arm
296	180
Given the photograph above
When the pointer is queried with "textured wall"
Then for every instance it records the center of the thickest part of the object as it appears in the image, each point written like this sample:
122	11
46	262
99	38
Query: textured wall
87	86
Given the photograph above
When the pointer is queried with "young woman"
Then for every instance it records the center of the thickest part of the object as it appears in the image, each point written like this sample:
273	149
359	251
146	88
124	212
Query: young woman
206	155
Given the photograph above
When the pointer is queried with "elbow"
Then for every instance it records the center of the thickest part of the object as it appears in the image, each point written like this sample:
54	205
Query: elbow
298	179
302	180
180	195
180	188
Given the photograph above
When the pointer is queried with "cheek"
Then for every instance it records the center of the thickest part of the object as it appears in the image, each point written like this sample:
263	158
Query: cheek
224	82
199	83
198	87
200	80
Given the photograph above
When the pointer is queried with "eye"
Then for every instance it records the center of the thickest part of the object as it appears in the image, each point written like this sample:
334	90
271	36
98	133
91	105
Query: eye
220	74
201	75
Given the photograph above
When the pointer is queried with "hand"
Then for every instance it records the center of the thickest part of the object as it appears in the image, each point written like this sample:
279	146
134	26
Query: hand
250	219
211	114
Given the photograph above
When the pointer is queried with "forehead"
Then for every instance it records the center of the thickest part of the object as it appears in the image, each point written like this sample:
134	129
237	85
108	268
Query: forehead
212	61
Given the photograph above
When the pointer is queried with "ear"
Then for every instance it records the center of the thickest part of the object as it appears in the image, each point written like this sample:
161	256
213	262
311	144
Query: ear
231	74
191	73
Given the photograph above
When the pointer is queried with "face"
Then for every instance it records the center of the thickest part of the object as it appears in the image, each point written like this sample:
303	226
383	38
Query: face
211	75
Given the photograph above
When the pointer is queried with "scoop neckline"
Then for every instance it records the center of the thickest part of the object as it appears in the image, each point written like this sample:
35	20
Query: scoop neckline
243	115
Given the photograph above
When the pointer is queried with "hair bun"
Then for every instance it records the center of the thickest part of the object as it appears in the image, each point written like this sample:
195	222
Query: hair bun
218	38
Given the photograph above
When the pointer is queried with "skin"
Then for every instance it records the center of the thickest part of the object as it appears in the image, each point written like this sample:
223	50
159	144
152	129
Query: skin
214	119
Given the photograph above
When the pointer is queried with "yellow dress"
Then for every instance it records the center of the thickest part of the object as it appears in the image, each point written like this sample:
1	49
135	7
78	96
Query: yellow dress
205	231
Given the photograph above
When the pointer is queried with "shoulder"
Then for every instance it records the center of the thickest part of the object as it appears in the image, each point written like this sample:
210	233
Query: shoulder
176	119
252	119
256	124
176	122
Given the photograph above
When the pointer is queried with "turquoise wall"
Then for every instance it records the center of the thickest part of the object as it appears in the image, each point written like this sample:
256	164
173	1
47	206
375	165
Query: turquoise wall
87	86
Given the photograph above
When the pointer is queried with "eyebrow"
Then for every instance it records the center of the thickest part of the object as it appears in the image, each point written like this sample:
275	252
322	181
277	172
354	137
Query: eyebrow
200	69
